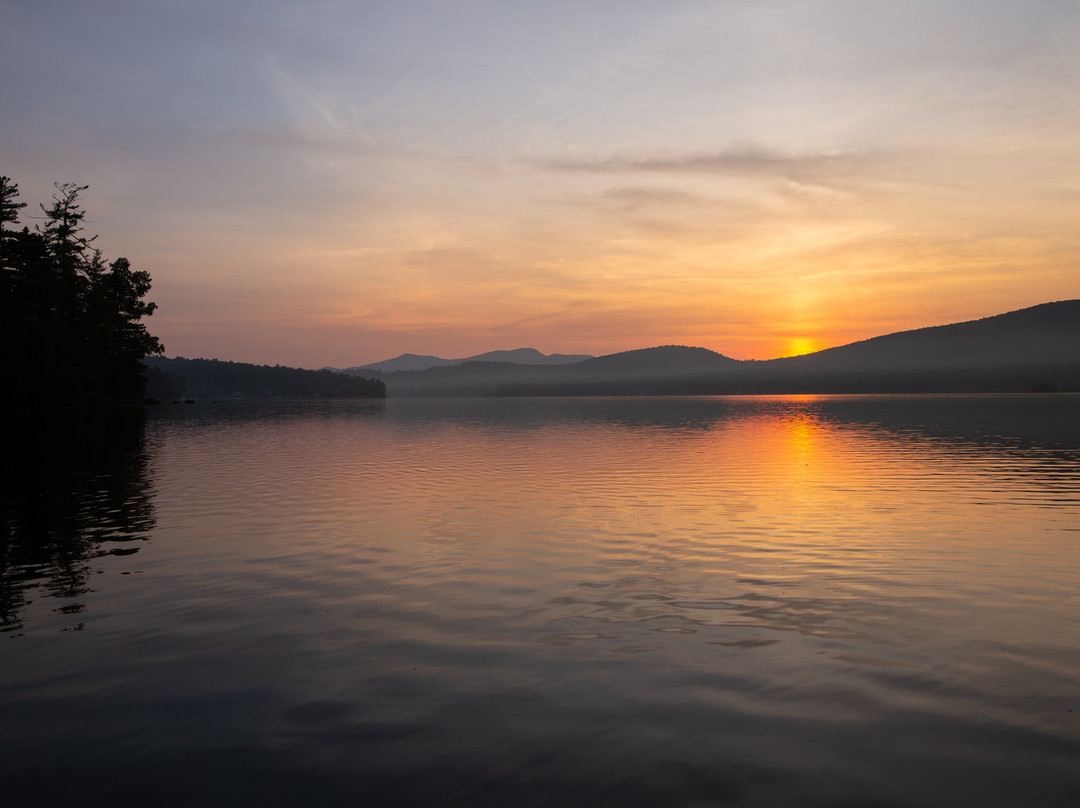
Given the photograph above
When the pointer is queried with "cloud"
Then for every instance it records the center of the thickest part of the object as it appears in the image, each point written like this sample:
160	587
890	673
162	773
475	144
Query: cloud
736	159
632	198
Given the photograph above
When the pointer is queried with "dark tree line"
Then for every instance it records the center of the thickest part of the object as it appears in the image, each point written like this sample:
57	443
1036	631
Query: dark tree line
70	325
214	378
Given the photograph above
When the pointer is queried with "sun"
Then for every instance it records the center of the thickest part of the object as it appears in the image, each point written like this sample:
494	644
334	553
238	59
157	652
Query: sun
796	346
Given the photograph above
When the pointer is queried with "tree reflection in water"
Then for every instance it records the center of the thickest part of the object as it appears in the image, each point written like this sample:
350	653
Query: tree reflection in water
78	490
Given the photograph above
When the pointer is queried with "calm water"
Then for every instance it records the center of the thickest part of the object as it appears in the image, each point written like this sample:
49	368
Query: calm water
831	601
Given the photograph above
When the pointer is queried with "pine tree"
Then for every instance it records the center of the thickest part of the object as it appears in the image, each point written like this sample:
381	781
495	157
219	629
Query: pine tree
9	213
70	321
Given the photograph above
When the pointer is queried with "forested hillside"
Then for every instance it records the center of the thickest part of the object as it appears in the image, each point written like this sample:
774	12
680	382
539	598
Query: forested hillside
212	378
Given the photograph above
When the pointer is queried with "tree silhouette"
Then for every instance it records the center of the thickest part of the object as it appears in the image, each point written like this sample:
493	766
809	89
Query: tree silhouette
63	225
71	325
9	213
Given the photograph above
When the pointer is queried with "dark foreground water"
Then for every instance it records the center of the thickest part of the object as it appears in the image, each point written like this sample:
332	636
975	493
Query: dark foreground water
831	601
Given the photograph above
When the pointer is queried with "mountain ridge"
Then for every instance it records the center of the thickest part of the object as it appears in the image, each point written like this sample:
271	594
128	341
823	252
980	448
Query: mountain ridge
414	362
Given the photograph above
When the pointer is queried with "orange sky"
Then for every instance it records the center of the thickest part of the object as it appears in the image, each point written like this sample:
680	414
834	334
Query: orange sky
325	185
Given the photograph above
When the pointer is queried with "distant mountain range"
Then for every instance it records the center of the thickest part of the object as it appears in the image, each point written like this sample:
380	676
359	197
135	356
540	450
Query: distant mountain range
1033	349
520	356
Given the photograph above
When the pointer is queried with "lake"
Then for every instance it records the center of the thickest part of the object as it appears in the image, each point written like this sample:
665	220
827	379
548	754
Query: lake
775	601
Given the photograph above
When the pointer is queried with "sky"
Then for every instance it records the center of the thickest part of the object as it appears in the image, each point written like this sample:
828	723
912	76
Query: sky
334	183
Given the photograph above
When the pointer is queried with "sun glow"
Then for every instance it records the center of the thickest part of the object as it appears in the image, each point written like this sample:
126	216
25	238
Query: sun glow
796	346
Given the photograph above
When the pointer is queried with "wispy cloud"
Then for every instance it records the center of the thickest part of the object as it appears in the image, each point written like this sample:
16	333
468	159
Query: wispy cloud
637	197
737	159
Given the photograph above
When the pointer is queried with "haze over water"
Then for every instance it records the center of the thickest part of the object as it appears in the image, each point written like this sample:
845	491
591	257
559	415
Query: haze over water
749	601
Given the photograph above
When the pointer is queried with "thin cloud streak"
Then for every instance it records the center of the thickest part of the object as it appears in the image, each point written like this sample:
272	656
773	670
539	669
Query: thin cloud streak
747	159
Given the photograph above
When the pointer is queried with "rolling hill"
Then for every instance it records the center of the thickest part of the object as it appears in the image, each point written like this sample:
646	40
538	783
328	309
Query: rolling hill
619	373
1044	334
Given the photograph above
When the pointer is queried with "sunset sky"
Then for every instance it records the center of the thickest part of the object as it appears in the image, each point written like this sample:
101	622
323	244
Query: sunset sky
333	183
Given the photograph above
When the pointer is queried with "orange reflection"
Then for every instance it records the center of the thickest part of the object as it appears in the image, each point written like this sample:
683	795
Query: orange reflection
800	435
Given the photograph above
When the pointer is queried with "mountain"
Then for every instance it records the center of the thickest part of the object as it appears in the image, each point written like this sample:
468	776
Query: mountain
525	356
667	360
1037	348
519	356
406	361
